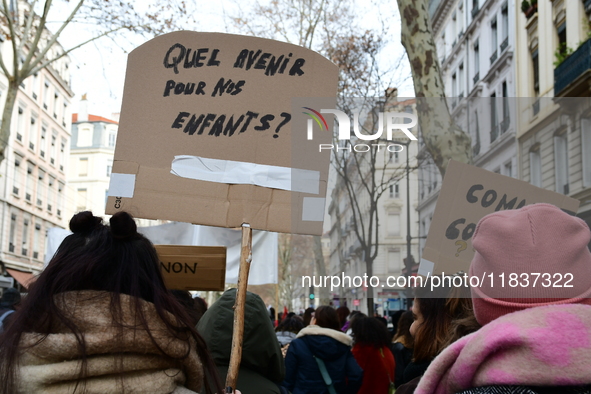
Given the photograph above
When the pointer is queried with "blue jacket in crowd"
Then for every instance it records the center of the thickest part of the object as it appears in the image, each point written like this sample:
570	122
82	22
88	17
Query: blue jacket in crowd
302	375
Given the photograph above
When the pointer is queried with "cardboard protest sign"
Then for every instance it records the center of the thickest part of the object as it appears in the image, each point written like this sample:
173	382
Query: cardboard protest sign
468	194
193	267
205	132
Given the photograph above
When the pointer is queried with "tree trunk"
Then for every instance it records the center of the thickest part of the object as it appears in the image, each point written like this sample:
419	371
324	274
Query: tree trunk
7	117
443	138
369	272
323	296
285	259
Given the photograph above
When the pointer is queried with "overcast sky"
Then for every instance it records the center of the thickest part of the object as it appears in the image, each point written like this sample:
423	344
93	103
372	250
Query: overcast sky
98	69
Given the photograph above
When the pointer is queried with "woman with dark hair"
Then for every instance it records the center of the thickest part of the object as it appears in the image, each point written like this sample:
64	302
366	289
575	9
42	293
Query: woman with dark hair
402	345
100	320
434	315
352	316
373	355
343	312
287	330
320	357
308	316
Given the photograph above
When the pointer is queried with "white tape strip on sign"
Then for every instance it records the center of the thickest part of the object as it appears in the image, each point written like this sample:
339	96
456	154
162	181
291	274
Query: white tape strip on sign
237	172
426	267
313	209
121	185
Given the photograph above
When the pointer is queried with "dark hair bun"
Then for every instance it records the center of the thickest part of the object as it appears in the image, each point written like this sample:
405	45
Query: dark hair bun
84	222
123	226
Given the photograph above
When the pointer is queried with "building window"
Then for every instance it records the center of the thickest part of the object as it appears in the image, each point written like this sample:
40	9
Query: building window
561	163
494	42
109	169
506	117
561	30
460	19
508	169
586	150
25	248
60	199
37	241
55	105
12	237
83	166
40	187
53	149
35	85
20	124
494	125
505	26
461	80
43	146
536	71
65	114
46	95
30	182
395	190
17	181
62	154
112	139
32	133
393	224
50	192
476	62
535	168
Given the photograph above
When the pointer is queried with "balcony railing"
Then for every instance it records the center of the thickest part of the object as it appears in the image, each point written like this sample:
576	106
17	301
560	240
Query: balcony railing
494	133
475	11
504	44
493	57
505	125
536	107
572	67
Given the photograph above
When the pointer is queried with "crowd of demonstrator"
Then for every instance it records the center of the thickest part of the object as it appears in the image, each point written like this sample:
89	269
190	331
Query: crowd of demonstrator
99	319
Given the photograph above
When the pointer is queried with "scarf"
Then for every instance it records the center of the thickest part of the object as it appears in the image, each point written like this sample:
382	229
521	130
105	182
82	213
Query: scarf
124	361
541	346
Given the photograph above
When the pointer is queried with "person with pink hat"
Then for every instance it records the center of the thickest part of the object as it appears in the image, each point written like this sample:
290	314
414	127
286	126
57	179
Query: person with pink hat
535	335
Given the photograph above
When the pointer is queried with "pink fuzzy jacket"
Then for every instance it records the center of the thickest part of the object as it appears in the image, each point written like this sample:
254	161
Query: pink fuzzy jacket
542	346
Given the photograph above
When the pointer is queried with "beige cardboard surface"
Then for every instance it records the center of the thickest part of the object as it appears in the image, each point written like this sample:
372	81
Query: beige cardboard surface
193	267
195	94
468	194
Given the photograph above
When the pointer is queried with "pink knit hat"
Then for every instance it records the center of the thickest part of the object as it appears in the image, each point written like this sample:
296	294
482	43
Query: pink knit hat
536	239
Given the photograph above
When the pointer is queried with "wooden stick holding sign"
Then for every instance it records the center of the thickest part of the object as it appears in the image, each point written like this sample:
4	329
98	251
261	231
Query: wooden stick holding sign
238	332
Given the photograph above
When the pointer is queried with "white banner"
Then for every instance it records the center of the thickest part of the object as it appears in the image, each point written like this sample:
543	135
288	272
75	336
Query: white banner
263	269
